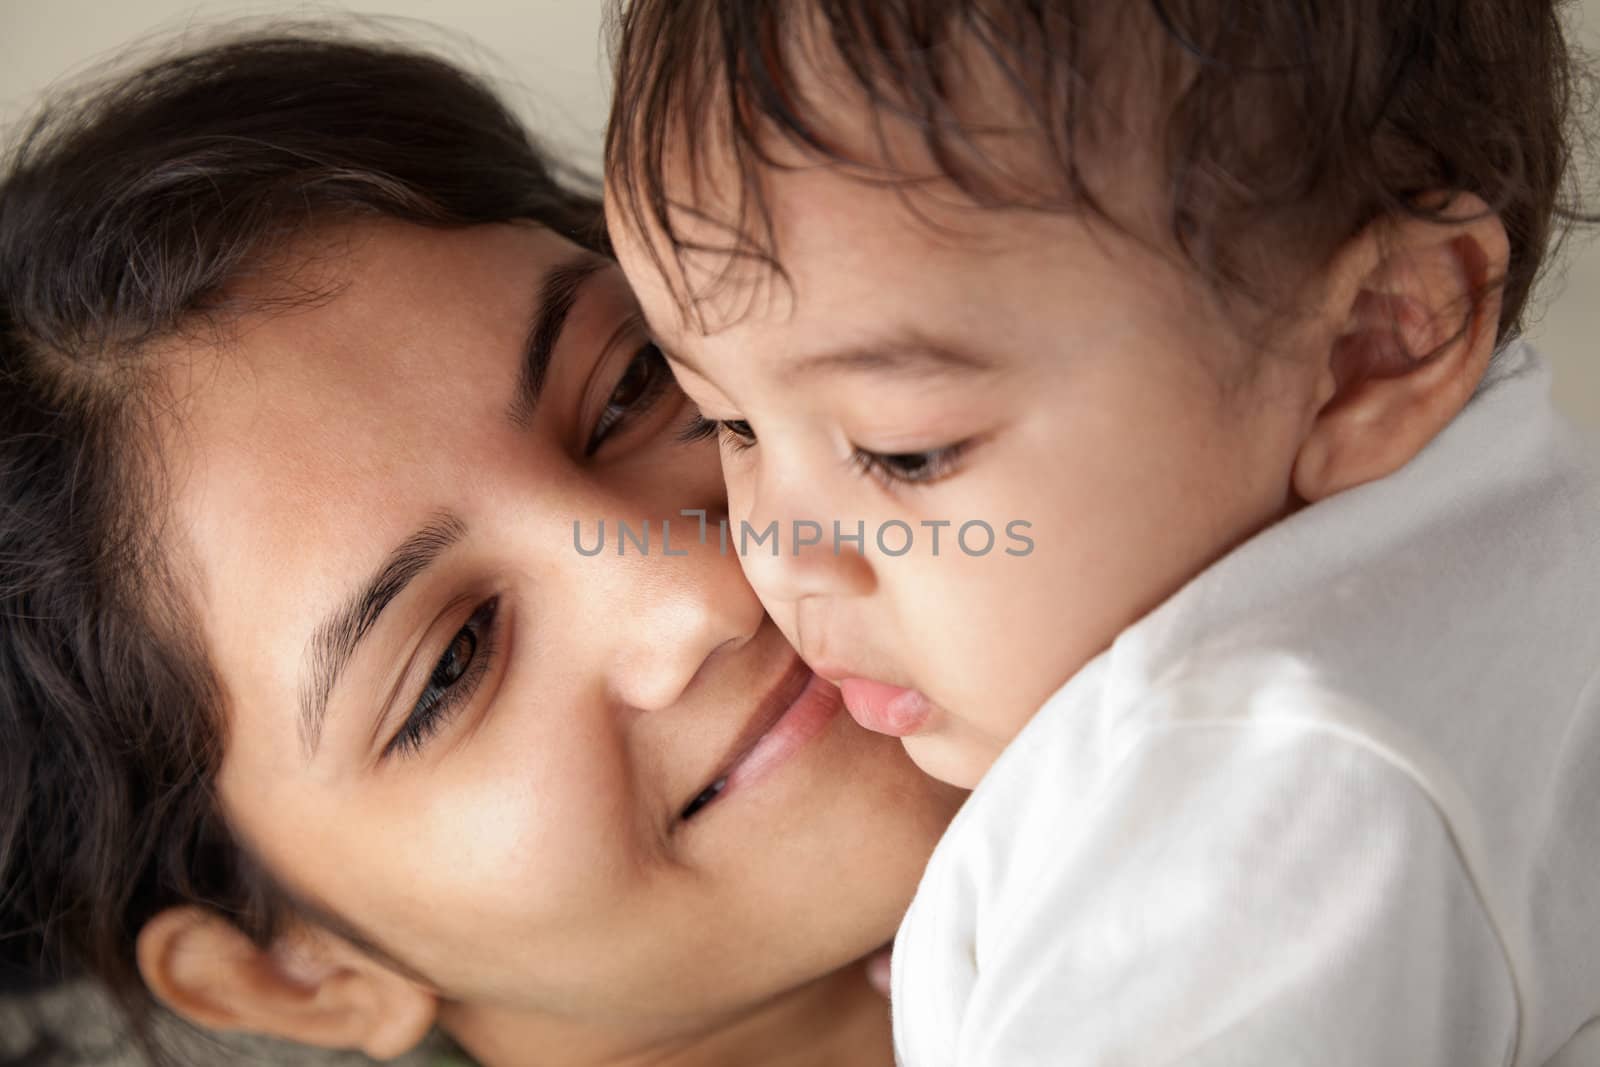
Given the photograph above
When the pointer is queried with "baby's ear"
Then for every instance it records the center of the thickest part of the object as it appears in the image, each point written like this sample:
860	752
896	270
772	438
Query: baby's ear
311	987
1415	304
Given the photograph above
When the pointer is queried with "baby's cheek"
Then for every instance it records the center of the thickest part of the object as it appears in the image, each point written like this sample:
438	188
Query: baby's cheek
997	639
739	475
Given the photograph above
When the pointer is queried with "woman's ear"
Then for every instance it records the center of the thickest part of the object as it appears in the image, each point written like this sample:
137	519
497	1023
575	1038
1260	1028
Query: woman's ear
311	987
1415	305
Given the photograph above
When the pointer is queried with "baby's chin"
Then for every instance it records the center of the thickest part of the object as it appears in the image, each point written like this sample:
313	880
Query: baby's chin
952	752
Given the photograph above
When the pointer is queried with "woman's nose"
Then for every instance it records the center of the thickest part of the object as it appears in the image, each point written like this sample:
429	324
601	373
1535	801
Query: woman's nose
675	608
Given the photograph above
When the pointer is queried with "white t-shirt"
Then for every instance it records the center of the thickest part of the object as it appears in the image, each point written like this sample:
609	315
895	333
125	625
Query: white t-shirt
1336	802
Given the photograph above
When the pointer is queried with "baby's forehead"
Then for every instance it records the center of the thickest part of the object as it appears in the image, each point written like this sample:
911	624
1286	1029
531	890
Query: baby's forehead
828	240
840	251
719	204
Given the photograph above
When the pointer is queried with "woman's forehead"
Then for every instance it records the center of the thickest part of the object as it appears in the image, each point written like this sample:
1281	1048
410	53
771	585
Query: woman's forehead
313	405
315	440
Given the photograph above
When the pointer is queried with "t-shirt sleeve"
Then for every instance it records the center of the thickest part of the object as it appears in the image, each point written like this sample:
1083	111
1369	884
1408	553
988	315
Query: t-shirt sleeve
1242	894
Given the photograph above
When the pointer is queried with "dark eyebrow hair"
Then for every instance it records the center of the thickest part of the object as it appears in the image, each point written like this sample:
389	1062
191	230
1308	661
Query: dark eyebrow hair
335	640
557	296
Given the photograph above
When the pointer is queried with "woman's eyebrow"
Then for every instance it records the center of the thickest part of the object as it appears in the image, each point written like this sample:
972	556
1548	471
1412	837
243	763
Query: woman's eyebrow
558	294
336	639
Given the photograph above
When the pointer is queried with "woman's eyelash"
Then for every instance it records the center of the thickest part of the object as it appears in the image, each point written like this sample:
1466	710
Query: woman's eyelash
452	683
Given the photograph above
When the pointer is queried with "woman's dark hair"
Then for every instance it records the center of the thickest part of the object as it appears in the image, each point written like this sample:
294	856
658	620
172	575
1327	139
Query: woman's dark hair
1281	127
126	210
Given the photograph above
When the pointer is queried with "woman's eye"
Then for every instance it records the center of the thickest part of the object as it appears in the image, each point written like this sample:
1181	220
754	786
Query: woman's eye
455	677
455	661
912	468
645	379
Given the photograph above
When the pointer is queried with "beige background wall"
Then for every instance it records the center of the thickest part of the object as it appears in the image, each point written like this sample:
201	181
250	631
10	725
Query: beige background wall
548	56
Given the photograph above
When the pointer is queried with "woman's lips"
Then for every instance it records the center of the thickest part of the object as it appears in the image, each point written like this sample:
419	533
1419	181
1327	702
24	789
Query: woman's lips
883	708
807	716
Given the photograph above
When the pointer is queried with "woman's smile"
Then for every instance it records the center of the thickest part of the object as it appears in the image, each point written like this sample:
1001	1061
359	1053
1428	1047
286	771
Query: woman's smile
413	763
798	709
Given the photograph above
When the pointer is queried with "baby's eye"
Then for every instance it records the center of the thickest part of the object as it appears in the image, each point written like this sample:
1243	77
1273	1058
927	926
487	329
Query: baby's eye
911	468
736	432
739	433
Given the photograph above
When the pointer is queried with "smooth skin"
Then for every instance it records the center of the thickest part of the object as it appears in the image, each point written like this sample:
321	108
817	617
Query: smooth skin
922	360
519	865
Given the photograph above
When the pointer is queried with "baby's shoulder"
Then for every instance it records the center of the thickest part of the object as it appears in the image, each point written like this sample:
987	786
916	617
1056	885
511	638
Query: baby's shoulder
1224	723
1239	690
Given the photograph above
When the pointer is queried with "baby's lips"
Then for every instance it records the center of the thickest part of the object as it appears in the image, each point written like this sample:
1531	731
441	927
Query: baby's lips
885	709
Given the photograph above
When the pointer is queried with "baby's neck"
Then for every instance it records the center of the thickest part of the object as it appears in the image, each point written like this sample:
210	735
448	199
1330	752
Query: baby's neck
838	1021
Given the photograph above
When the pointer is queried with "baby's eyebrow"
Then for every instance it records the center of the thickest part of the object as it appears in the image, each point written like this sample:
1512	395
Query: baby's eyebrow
901	356
906	356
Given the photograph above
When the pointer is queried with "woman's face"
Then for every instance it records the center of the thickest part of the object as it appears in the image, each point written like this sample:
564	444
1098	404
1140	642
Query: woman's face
451	728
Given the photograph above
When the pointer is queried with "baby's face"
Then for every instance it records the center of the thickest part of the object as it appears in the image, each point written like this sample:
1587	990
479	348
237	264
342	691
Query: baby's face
1039	429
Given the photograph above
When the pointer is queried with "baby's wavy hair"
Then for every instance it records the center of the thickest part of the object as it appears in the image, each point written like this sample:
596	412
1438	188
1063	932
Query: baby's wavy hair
1279	128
